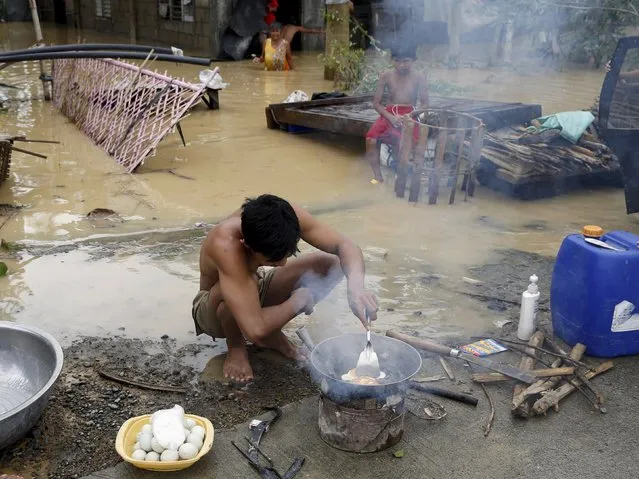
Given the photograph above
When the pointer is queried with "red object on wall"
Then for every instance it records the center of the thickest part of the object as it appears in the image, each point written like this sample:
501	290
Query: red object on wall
269	19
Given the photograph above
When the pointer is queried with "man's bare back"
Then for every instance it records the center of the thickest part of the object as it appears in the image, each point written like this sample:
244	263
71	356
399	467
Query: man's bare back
239	300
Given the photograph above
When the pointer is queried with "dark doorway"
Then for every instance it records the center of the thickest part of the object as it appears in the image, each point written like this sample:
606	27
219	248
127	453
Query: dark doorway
289	12
59	12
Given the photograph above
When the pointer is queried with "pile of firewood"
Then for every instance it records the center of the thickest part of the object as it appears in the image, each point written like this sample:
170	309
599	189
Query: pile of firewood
523	154
560	376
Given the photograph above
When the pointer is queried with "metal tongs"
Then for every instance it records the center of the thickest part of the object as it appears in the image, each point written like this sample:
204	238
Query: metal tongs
368	364
258	429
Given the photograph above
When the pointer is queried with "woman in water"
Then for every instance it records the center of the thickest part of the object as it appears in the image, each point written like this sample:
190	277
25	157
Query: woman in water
276	52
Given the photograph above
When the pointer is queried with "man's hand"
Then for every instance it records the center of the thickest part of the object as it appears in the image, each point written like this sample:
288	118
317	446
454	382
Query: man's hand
363	303
608	66
303	300
396	121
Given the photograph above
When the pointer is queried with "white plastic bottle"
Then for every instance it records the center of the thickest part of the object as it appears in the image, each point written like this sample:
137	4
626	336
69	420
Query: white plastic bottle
528	313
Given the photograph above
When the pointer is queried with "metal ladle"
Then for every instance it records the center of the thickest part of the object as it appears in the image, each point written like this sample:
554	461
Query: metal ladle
368	364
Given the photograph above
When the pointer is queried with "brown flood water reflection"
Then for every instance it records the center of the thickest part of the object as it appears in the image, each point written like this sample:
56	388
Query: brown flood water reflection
230	155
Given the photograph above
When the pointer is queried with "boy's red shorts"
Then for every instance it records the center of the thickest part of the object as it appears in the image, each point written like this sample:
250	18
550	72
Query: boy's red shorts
387	133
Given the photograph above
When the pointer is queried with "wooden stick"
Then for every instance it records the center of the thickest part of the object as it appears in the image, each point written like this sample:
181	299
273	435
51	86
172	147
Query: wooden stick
27	152
582	377
418	164
545	385
405	150
461	134
540	373
141	385
552	399
440	151
526	364
563	355
473	161
446	368
491	417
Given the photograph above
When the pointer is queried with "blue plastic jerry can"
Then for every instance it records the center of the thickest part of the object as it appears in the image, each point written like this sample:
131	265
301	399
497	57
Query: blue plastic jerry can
594	295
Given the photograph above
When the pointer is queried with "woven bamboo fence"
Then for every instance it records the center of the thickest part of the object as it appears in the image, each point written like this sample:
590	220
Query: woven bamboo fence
124	109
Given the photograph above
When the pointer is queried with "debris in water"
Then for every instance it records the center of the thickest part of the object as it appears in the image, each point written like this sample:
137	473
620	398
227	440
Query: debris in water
104	214
124	108
399	453
3	269
472	281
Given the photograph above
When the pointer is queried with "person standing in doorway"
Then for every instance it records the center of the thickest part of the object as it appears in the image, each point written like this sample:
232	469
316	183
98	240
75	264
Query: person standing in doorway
276	52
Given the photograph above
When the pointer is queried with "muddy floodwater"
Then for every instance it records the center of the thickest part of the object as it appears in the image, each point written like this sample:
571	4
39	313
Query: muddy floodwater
416	255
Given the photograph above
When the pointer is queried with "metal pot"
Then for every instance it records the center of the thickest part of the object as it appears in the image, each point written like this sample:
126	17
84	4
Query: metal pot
30	363
336	356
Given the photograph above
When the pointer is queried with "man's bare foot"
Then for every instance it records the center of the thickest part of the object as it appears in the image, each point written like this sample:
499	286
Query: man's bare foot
280	343
236	366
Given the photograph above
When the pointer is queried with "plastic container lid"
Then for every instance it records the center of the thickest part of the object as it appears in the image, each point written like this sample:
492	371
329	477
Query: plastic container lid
592	231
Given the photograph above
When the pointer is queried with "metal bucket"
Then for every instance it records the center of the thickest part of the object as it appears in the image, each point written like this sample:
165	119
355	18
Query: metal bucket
362	430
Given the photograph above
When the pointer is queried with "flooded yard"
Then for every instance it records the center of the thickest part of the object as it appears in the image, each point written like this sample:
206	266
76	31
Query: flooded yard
230	155
128	284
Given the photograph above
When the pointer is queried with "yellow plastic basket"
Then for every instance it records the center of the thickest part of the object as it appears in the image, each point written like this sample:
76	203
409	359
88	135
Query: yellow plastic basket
125	441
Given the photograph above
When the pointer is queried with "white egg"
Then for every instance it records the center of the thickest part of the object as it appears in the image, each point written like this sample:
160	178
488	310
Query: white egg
137	436
155	445
186	433
145	442
146	429
189	423
199	430
136	446
196	440
188	451
152	456
138	455
170	455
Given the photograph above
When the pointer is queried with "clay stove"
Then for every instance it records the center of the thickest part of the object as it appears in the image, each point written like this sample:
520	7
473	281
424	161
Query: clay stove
362	425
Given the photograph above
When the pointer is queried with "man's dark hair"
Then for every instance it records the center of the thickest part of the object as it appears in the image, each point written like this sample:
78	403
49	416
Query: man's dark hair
276	26
270	227
403	50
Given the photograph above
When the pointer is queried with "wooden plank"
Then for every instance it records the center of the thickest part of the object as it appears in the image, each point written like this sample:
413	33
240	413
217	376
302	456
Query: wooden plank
438	166
540	373
405	150
355	115
418	164
474	157
461	122
527	363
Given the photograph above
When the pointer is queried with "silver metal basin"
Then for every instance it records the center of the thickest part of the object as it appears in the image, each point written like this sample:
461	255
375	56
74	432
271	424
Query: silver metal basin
30	363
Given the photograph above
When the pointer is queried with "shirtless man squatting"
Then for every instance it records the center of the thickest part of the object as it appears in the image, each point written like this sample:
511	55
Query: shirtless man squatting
406	87
241	300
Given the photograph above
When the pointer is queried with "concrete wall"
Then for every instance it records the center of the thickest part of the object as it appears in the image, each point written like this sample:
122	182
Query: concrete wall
312	16
150	28
203	35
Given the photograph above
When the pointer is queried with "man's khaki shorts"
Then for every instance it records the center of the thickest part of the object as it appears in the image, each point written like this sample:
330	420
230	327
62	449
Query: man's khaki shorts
206	319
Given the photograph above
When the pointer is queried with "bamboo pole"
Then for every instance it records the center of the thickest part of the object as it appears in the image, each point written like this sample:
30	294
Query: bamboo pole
39	40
